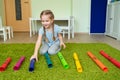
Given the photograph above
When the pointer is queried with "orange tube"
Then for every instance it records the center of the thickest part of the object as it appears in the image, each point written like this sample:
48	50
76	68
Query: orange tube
100	64
5	64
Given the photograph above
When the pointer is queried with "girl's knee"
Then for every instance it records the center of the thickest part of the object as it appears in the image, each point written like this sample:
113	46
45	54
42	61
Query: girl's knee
42	52
52	51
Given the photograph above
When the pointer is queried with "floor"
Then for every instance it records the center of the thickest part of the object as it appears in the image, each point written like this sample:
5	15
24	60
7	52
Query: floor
79	38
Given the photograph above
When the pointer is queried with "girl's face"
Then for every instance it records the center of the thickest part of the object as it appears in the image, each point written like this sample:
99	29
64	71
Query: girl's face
46	21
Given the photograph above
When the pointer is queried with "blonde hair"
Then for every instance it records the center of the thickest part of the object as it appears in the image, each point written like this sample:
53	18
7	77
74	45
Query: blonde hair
51	16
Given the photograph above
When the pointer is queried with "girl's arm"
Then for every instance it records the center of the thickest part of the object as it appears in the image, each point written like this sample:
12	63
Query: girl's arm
37	45
61	41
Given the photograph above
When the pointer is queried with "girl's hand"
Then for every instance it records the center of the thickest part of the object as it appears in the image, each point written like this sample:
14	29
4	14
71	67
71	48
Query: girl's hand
62	45
34	56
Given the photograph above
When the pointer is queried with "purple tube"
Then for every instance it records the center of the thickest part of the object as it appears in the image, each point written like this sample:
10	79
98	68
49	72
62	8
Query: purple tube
18	64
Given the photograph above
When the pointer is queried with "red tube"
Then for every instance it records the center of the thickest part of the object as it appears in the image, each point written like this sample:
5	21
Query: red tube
99	63
5	64
112	60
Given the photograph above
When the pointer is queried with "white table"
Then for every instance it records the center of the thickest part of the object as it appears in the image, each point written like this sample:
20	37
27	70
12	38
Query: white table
68	28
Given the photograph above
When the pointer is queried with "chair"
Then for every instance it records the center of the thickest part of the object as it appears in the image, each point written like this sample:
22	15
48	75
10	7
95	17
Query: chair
3	33
33	26
4	30
69	29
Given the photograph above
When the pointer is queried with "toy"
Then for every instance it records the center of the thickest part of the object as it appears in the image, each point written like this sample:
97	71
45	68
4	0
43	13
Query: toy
100	64
31	66
18	64
63	61
112	60
77	62
48	60
5	64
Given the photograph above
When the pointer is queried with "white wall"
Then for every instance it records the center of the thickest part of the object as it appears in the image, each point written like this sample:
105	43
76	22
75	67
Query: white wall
80	9
60	8
2	12
81	12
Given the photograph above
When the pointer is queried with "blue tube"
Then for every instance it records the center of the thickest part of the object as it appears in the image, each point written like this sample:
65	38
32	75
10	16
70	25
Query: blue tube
32	63
48	60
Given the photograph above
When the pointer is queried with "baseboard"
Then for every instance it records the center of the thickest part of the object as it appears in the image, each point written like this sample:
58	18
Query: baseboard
96	33
21	31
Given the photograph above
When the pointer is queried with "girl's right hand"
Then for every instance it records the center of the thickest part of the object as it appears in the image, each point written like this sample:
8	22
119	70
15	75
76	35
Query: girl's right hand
34	56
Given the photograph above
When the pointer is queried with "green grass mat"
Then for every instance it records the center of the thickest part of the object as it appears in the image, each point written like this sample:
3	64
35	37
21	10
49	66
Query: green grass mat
90	70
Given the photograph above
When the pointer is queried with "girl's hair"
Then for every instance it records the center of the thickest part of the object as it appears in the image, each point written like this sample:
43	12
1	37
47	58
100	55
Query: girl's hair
51	16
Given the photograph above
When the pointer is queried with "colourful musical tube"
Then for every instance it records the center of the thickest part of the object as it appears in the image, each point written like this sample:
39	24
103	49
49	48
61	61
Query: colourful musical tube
19	63
5	64
77	62
98	62
48	60
112	60
63	61
32	65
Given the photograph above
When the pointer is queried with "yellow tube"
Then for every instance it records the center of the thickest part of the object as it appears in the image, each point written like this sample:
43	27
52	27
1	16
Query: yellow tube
77	62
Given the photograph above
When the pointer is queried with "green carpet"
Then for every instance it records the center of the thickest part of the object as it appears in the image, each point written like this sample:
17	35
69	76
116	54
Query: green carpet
90	70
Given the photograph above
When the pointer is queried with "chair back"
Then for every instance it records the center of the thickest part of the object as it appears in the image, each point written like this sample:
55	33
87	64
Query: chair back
71	22
0	22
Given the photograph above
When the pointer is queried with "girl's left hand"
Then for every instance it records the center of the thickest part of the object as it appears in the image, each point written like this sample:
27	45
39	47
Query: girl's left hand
63	45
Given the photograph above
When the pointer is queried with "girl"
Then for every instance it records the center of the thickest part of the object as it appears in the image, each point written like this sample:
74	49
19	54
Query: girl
49	36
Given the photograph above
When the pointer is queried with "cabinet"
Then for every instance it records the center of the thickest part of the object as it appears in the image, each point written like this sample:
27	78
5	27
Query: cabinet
113	20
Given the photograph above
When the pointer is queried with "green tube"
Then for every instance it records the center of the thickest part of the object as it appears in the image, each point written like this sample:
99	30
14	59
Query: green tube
63	61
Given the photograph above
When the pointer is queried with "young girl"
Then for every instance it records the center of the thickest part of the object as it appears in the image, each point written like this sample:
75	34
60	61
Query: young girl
49	36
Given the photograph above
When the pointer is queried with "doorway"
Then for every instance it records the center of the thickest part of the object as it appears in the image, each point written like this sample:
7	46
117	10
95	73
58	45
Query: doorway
17	14
98	16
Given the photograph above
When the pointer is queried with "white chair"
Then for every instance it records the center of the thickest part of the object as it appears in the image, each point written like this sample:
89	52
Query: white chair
33	26
69	29
4	30
3	33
